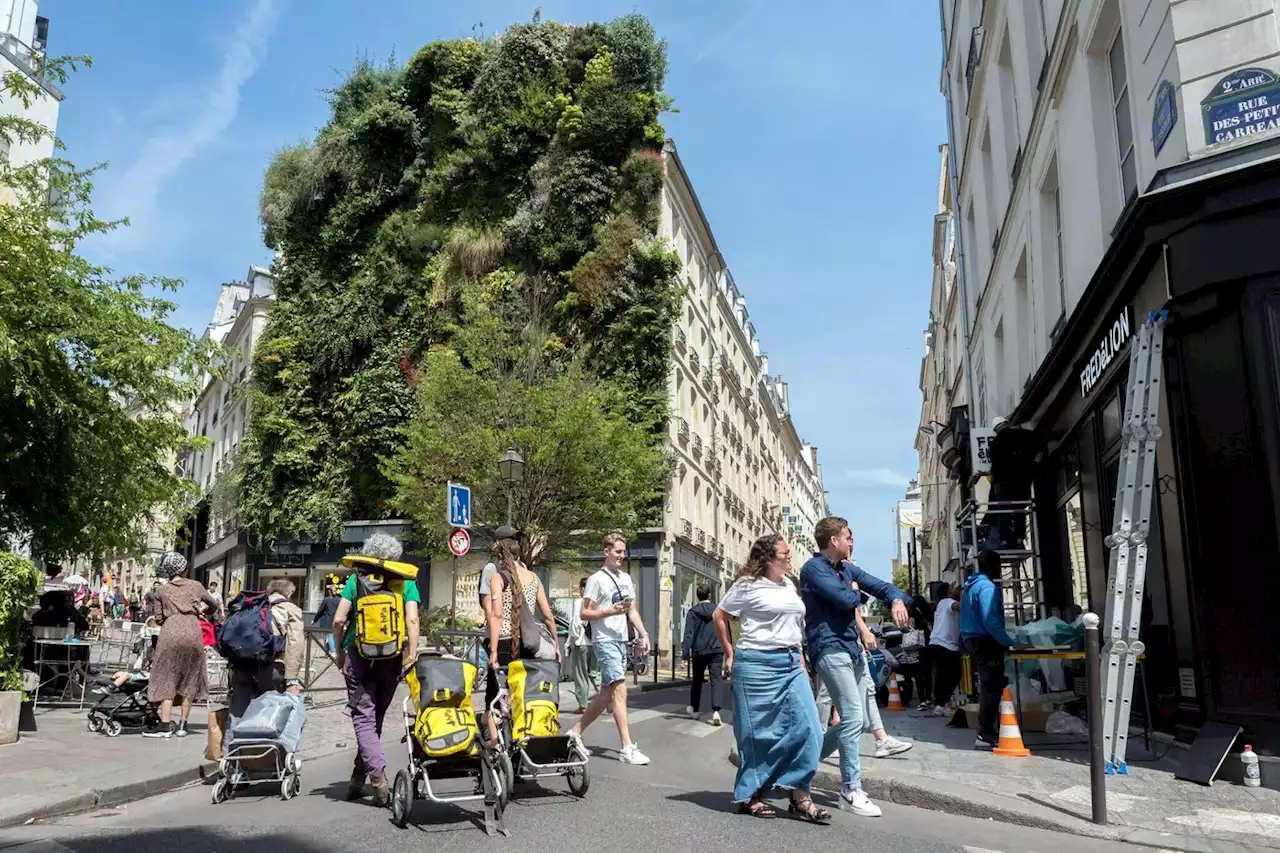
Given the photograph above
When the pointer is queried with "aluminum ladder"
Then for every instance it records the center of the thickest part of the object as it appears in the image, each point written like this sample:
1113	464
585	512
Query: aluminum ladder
1128	540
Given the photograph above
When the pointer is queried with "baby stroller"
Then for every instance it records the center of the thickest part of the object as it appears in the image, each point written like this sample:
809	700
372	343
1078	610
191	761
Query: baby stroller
262	746
126	706
533	747
444	742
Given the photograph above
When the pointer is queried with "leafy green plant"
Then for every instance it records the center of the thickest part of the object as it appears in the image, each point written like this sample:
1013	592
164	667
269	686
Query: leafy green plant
528	166
92	371
19	589
438	620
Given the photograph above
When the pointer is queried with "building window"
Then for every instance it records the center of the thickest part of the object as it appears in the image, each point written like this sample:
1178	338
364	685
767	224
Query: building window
1059	259
1123	119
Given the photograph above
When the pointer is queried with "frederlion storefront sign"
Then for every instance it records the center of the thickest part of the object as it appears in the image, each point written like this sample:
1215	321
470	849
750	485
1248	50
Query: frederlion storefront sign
1114	341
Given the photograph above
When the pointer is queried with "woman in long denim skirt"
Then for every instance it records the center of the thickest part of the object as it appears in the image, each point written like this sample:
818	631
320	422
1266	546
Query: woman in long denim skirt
775	719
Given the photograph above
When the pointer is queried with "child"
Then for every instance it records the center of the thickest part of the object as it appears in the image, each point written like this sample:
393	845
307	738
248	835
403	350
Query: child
120	679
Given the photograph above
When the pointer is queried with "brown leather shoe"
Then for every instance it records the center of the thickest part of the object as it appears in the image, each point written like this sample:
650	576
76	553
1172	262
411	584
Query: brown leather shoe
381	789
355	788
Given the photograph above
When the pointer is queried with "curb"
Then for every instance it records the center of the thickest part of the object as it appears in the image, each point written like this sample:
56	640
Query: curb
650	686
920	796
98	798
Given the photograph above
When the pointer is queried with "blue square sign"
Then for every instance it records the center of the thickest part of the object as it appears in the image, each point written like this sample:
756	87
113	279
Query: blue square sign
458	505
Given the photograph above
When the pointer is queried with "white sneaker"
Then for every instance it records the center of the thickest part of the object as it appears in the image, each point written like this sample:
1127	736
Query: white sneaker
632	755
715	719
688	709
858	803
941	711
891	746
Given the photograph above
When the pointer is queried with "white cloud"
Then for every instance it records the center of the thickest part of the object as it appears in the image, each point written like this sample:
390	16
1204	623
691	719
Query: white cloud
877	477
137	187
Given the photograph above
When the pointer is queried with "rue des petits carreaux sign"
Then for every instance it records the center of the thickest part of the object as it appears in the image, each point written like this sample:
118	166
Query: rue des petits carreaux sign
1244	103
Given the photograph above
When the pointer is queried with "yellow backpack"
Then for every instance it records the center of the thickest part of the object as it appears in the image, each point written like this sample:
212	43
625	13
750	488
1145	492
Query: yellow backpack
446	721
534	687
379	606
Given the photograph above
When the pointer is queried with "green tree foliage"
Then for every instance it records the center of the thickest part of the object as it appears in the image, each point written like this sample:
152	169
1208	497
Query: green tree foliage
19	586
530	163
588	467
91	372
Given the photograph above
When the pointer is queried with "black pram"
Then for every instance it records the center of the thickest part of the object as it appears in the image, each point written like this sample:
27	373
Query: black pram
126	706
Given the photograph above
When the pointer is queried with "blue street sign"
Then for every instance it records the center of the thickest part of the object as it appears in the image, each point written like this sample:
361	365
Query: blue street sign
458	505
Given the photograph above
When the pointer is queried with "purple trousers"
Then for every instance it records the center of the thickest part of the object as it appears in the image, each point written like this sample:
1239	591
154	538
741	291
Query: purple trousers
371	685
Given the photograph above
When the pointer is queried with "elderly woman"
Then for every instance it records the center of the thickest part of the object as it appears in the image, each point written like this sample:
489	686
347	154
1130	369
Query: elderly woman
248	680
178	669
371	684
775	718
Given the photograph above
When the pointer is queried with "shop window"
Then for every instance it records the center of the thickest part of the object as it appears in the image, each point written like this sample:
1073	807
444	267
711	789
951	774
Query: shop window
1111	420
1069	472
1071	521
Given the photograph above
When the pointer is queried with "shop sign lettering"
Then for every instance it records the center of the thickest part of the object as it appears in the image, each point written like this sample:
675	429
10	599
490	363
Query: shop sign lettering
1114	341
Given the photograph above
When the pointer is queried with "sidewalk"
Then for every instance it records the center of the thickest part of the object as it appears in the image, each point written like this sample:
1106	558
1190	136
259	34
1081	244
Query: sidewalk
64	768
1050	790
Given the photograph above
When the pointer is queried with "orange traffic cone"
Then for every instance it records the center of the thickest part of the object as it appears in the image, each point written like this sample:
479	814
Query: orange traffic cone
1010	745
895	698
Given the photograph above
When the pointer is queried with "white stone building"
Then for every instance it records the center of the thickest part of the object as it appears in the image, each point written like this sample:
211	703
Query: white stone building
218	416
742	469
1112	158
23	40
942	387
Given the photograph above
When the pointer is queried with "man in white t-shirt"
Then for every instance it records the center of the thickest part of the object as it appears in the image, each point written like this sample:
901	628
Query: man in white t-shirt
608	607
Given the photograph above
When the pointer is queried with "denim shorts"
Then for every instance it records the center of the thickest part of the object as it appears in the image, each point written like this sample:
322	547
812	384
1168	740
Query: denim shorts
613	661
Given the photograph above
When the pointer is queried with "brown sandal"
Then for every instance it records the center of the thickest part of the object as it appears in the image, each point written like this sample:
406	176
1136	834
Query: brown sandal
758	808
809	811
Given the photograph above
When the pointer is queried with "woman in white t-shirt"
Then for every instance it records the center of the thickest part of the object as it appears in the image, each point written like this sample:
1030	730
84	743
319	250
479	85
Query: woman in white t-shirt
775	719
944	648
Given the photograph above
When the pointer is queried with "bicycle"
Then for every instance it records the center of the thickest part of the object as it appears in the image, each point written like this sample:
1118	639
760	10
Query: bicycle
638	663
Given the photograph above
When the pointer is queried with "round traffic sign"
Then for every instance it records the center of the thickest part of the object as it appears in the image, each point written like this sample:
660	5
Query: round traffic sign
459	542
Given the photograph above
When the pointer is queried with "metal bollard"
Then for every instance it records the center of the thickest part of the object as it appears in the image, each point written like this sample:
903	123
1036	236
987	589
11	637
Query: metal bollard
1097	761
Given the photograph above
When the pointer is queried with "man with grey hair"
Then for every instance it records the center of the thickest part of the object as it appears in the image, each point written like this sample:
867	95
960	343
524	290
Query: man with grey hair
247	680
371	684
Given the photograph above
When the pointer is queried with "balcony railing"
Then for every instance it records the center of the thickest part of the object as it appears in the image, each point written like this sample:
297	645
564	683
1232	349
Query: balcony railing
695	362
686	528
683	430
700	538
697	445
682	340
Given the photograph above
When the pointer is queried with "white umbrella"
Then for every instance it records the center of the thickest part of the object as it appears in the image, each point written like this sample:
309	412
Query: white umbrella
75	580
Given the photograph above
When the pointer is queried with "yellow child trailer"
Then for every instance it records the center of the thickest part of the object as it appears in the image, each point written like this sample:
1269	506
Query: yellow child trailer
444	743
533	745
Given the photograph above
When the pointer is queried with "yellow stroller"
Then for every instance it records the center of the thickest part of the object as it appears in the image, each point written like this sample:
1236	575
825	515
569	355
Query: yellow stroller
444	743
533	746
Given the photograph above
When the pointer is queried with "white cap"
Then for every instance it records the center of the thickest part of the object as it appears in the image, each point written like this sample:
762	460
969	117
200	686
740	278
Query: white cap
998	423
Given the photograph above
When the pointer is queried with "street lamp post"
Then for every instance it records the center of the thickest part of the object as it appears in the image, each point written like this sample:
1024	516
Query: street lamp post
511	466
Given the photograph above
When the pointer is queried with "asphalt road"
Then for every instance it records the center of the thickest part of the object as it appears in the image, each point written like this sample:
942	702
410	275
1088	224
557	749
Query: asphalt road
680	802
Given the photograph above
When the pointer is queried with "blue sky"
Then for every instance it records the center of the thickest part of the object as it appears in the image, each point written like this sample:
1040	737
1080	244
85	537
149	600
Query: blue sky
810	130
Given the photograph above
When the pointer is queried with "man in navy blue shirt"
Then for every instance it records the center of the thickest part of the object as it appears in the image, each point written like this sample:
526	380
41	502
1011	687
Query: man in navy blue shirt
831	633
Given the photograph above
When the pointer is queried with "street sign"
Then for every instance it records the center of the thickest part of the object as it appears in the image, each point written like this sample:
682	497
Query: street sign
458	505
459	542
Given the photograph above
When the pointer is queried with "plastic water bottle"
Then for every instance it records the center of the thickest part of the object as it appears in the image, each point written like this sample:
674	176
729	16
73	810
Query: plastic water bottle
1252	776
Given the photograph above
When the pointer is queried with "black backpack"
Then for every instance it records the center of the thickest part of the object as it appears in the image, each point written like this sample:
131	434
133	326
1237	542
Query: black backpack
246	636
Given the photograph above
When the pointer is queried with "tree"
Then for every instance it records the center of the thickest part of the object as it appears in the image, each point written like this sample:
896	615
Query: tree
588	468
91	372
533	159
19	586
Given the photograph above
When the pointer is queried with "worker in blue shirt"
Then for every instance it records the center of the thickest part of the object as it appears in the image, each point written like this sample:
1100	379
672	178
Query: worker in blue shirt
985	638
831	633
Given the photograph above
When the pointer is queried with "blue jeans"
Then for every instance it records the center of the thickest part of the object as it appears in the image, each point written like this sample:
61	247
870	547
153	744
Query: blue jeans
843	676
